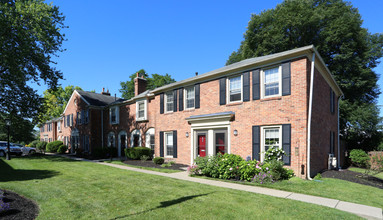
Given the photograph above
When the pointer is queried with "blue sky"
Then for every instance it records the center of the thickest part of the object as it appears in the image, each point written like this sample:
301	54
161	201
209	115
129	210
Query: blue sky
109	40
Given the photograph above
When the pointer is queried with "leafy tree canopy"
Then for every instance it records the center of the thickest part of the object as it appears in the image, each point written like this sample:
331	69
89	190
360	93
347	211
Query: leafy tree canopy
349	50
155	81
55	102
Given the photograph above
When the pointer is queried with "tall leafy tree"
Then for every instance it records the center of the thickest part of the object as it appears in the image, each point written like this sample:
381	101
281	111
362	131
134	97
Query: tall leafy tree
55	101
30	34
155	81
349	50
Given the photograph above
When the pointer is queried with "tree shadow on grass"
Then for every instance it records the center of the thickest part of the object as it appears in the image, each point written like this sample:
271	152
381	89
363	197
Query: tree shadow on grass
7	173
39	156
165	204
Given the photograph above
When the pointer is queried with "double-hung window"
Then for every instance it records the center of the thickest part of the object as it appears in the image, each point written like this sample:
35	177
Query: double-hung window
271	79
271	138
113	115
59	126
169	144
190	97
169	104
235	89
86	115
141	110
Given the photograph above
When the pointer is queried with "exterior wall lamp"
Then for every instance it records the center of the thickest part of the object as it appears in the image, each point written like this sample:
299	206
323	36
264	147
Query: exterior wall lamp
187	134
235	132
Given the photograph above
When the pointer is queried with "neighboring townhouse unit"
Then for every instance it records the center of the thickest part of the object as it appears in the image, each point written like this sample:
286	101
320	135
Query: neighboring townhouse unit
50	130
243	108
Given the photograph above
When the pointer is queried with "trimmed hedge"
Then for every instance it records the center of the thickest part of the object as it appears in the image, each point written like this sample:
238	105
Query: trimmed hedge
135	153
158	160
62	149
359	158
41	146
52	147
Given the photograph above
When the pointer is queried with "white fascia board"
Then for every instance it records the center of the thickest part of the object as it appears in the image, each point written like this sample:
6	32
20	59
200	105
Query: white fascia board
71	97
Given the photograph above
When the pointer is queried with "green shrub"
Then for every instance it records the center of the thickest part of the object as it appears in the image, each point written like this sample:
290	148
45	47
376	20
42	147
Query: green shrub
158	160
135	153
172	163
318	176
248	169
144	158
359	158
166	165
41	146
62	149
273	154
277	170
209	165
101	153
52	147
220	166
34	143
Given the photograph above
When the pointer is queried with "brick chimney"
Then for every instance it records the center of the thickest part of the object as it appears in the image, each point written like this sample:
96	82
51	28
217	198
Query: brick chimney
139	85
105	93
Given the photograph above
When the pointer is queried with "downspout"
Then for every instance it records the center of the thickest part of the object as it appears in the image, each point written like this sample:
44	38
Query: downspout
102	128
339	98
309	118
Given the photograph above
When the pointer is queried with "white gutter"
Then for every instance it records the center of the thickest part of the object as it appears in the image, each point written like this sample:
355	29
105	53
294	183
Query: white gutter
102	128
339	98
309	118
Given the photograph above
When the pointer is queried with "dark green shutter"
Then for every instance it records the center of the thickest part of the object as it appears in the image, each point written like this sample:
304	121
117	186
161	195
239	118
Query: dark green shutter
197	96
181	99
174	144
286	79
161	143
256	85
222	91
161	103
286	143
175	100
246	87
256	136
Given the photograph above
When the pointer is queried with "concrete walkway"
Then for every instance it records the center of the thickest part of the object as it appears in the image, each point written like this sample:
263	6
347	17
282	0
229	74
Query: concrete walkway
364	211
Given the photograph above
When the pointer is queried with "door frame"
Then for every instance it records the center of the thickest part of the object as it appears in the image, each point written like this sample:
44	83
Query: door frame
203	132
119	141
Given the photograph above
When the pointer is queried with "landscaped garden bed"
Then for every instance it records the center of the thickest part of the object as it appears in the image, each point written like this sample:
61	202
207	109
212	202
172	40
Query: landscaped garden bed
14	206
151	164
355	177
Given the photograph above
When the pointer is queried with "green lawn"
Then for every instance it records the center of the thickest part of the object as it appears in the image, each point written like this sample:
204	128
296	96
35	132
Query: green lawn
163	170
361	170
329	188
68	189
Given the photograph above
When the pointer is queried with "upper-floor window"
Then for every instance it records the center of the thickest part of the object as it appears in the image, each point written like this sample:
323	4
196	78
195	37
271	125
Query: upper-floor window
79	121
169	102
86	116
114	115
42	129
141	110
49	125
190	97
271	79
59	126
235	89
69	120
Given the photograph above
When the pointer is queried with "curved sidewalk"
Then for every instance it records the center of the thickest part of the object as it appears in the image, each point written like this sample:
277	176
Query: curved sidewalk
364	211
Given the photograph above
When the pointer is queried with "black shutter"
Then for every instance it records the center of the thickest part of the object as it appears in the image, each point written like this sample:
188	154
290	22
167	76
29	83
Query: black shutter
174	144
256	85
286	143
332	101
256	143
161	103
181	99
161	143
286	79
197	97
222	91
246	87
175	100
332	142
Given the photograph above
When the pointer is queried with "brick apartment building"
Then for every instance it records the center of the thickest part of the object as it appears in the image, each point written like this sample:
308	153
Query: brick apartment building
243	108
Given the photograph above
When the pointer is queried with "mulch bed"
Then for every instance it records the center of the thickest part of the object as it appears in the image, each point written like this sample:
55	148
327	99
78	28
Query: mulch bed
149	163
354	177
20	207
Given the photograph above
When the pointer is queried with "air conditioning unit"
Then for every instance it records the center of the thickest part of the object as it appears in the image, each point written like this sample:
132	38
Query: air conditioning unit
331	162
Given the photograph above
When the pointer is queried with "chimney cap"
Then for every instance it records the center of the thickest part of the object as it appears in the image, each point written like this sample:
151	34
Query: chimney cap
196	73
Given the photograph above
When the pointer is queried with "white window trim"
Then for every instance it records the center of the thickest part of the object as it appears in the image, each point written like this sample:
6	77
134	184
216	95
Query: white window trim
145	110
135	132
166	146
166	102
228	89
150	131
116	109
59	126
185	97
263	128
279	81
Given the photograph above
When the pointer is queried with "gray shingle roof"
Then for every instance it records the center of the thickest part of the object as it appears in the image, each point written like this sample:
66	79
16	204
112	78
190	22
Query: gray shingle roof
97	99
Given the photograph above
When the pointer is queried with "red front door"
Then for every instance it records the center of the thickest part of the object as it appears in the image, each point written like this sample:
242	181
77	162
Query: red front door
202	145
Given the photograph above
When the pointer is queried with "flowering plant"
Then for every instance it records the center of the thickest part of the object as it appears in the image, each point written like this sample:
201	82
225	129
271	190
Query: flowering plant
274	154
3	205
194	170
263	177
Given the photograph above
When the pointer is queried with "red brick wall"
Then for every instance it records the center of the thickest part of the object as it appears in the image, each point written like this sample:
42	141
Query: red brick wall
322	123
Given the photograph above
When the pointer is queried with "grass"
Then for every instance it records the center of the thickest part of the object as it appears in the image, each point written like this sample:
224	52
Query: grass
362	170
145	168
67	189
329	188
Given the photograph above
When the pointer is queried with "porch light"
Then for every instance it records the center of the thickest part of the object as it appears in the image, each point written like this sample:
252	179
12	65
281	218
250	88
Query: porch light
187	134
235	132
